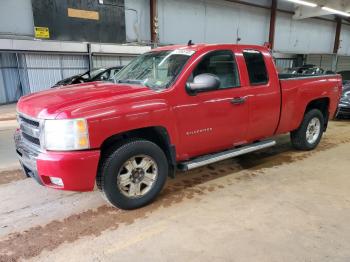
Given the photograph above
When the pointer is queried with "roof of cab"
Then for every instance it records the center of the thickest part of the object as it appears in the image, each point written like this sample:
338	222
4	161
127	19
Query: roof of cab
196	47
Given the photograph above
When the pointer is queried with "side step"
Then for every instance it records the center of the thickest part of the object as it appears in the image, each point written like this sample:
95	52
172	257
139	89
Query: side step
212	158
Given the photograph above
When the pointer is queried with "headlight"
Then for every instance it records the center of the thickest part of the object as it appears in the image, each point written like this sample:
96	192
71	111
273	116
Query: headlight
66	134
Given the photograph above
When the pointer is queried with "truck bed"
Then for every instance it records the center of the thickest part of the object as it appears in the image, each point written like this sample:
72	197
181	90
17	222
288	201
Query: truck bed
299	90
290	76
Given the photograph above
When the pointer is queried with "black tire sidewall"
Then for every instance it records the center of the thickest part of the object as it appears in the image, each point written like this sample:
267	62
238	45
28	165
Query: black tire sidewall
308	117
118	158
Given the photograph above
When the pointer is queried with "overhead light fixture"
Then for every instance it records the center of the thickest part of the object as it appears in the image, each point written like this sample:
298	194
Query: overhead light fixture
300	2
334	11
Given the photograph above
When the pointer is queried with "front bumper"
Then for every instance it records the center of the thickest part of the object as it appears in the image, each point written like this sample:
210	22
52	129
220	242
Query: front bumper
77	169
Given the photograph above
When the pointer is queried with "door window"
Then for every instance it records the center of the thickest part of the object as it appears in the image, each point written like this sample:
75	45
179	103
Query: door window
219	63
256	67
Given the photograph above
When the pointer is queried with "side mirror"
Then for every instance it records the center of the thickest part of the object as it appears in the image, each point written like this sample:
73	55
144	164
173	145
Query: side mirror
203	82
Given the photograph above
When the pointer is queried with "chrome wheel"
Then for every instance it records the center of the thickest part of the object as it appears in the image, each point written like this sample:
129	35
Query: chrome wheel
137	176
313	130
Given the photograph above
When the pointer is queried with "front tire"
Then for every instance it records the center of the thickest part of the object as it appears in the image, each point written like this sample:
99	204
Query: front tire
310	132
133	174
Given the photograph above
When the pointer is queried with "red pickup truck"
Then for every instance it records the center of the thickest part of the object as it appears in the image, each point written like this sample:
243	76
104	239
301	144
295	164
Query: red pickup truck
175	107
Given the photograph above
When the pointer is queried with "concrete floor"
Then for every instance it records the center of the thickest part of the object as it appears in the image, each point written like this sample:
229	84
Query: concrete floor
8	112
274	205
8	125
8	157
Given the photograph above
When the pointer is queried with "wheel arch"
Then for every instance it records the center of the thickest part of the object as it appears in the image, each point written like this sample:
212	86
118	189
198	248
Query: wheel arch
156	134
321	104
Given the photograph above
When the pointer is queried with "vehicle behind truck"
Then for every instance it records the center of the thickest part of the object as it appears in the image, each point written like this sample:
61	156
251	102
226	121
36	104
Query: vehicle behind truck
173	108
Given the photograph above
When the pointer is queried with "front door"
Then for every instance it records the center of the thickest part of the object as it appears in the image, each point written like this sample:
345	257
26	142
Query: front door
214	120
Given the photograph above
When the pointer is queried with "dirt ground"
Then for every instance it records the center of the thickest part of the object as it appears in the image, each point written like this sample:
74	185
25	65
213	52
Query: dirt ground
274	205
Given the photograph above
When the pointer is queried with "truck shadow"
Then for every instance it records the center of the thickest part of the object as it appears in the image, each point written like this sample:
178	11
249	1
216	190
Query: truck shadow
192	183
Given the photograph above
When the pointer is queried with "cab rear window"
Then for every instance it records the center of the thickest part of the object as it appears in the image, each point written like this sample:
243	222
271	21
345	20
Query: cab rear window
256	67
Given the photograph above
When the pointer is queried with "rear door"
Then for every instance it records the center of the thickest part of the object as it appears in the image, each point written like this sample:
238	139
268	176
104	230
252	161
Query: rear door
263	93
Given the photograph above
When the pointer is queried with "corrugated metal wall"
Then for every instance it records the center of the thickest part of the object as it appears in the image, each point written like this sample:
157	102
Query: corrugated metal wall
283	63
73	64
304	36
211	22
205	21
323	61
326	61
343	63
109	61
10	85
202	21
44	70
344	48
25	73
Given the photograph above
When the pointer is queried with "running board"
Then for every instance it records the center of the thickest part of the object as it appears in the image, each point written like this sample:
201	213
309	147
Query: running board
212	158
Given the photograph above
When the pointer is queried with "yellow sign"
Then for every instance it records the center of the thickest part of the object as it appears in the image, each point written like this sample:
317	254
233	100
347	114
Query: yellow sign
84	14
42	32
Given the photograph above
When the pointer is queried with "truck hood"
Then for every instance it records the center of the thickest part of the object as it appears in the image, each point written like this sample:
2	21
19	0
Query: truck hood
48	104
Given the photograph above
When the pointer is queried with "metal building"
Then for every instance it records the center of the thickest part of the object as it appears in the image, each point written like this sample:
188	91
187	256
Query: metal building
28	65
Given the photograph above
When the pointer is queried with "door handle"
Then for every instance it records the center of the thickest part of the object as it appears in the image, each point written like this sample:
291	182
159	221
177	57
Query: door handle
238	100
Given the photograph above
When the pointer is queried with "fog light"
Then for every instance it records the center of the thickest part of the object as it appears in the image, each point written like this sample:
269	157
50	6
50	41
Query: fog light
56	181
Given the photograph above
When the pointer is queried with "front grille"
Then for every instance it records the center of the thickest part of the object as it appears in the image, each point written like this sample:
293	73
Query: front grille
31	139
30	130
29	121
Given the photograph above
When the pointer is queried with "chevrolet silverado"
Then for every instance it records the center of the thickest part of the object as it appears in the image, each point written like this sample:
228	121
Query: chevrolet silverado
175	107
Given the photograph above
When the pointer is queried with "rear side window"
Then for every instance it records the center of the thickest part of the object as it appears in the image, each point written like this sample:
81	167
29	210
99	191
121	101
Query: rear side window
256	67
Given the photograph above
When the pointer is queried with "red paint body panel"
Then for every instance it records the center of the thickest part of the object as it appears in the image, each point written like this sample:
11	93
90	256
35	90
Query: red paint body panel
273	108
76	169
264	100
297	94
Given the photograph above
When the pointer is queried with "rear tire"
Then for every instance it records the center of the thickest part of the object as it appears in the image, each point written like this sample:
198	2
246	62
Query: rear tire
133	174
310	132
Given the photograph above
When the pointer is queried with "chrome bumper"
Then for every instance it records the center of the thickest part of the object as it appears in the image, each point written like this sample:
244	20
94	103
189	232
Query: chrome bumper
27	156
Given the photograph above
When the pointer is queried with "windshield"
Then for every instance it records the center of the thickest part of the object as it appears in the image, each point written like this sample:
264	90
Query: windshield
156	70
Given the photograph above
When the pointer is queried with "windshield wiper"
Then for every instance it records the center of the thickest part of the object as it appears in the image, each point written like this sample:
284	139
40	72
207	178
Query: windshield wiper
129	81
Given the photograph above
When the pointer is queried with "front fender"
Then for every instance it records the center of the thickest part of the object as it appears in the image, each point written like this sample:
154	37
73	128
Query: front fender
131	116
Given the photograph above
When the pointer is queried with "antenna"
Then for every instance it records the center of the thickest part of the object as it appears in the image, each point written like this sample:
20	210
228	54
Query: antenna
190	43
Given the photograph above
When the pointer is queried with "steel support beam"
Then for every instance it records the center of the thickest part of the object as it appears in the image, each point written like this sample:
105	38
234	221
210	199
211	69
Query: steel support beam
272	23
337	35
91	66
154	22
